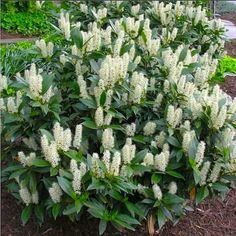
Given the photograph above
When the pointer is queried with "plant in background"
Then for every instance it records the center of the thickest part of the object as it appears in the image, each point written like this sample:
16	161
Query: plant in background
226	66
120	120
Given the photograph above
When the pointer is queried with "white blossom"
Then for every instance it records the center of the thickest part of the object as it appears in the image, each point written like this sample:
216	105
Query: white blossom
115	165
157	102
148	159
128	151
135	9
107	159
107	119
160	139
172	187
188	136
161	161
82	86
3	82
99	116
215	173
50	151
78	136
200	153
63	138
130	129
25	195
26	160
95	166
108	139
55	192
35	197
76	183
149	128
46	49
157	192
174	117
204	171
64	24
73	166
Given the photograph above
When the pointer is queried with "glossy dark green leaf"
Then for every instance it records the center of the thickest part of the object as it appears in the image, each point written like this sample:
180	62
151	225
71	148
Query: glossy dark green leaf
25	214
40	163
102	226
77	37
202	193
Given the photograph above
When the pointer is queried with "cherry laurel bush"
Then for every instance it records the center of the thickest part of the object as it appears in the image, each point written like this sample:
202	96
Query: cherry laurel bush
121	120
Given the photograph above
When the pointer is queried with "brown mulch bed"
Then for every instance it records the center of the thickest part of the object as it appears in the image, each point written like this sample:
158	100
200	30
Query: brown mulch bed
211	218
229	16
230	48
7	35
230	85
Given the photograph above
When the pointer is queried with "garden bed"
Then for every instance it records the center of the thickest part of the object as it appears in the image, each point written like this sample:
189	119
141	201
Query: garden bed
210	218
215	217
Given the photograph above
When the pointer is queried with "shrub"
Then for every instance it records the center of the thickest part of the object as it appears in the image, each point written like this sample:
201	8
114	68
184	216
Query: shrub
120	120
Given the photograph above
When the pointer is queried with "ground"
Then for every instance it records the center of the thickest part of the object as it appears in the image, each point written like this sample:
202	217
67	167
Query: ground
212	218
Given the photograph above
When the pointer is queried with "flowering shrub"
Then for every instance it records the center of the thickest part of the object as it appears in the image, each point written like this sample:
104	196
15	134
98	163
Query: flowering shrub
121	120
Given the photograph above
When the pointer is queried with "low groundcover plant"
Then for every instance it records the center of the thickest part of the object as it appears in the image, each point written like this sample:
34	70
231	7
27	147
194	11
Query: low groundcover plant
121	120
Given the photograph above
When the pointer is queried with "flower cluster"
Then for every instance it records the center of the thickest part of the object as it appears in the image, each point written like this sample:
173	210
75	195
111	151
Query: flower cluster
46	49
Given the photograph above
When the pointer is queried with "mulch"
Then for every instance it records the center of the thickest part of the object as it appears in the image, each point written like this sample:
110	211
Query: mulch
229	16
7	35
215	217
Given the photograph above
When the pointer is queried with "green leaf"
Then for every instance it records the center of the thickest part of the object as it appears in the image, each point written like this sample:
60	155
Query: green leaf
172	199
128	219
33	183
196	175
183	54
25	214
125	48
94	66
40	163
139	139
133	209
70	209
140	156
90	103
12	168
56	210
173	141
96	184
202	193
47	82
47	134
220	187
74	155
90	124
102	226
17	173
78	205
156	178
175	174
53	171
161	218
103	98
39	212
66	186
77	37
